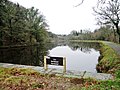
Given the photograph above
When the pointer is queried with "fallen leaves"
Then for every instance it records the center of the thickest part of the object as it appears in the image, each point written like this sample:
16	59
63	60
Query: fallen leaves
27	79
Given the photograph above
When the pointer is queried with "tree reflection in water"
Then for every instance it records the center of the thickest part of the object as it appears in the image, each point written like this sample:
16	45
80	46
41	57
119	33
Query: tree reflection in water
33	55
81	56
84	46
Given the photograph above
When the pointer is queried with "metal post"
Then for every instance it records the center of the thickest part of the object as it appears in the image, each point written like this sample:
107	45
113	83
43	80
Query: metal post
45	63
64	64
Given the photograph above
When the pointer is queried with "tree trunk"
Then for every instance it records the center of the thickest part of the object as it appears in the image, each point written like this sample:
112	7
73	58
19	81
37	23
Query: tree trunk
30	39
36	36
11	32
118	31
1	38
115	39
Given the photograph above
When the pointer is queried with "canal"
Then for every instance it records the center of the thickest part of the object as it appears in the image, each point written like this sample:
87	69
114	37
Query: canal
81	56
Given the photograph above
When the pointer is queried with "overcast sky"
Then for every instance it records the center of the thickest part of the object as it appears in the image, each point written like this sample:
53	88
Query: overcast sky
62	16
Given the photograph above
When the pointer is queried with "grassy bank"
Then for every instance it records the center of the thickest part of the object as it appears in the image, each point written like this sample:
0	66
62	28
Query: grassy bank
109	60
84	41
28	79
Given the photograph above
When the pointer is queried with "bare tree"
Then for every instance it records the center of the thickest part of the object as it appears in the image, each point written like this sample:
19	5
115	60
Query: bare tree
108	12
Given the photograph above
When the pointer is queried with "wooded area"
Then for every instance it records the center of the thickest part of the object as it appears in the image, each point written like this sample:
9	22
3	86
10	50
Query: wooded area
106	33
21	26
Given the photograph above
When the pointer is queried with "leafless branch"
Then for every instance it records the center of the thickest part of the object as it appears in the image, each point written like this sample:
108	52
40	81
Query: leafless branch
79	3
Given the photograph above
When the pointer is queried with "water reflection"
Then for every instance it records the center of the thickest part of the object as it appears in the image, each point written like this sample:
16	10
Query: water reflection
84	46
80	56
32	55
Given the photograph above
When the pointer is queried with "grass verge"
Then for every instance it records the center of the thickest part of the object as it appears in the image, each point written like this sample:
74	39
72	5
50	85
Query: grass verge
109	60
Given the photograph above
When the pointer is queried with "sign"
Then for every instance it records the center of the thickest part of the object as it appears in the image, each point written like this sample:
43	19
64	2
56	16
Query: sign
61	61
54	60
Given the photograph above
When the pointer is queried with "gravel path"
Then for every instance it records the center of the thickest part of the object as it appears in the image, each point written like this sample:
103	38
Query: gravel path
115	46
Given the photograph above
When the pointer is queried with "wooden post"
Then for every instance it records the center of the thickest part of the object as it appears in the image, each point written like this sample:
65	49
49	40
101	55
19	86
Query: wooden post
45	63
64	65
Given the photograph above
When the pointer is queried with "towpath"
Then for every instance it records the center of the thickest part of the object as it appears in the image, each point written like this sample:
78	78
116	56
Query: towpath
115	46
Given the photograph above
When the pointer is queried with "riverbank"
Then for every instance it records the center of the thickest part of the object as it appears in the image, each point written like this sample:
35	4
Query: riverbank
17	46
109	60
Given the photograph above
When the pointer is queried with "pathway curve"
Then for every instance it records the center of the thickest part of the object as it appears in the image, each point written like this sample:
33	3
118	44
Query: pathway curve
115	46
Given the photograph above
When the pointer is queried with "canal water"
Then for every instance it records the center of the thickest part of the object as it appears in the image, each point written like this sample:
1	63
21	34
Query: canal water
82	56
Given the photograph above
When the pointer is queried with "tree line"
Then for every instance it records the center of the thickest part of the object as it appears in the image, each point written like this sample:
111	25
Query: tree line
20	25
106	33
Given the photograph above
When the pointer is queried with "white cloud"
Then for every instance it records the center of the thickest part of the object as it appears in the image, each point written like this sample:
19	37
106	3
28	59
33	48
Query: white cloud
62	16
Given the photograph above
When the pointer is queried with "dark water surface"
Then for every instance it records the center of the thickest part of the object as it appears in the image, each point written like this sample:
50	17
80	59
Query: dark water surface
80	56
